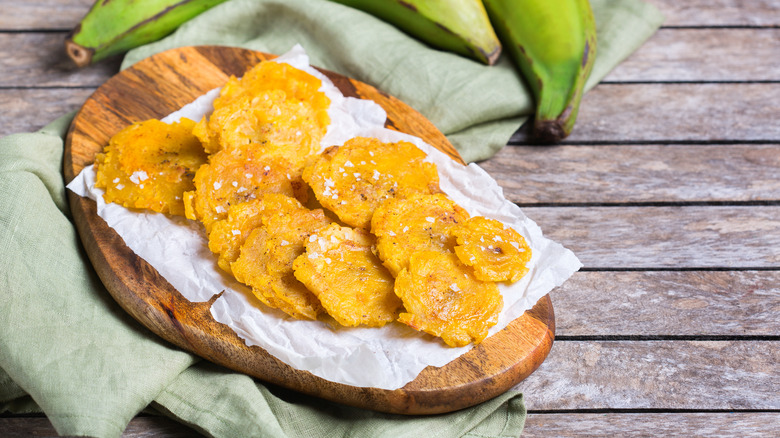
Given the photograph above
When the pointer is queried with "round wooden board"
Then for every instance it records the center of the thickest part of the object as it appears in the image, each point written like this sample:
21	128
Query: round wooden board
162	84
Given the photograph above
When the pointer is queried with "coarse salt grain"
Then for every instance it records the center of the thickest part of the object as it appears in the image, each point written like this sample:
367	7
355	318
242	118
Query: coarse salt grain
138	176
217	185
236	232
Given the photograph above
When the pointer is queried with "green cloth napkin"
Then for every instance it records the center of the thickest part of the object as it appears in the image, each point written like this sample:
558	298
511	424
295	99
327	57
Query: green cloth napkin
68	350
478	107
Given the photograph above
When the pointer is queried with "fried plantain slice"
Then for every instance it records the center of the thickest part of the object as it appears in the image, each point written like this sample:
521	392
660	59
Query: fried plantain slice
275	106
150	165
416	223
228	234
340	268
352	180
231	178
443	298
265	261
274	125
269	75
495	251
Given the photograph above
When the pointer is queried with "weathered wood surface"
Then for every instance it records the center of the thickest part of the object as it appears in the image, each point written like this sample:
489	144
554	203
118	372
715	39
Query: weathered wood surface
37	15
716	13
29	109
657	375
676	112
613	113
713	425
23	66
676	55
647	173
668	191
652	304
666	237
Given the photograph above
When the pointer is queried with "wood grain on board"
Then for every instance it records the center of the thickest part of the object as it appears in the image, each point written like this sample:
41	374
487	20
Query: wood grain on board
164	83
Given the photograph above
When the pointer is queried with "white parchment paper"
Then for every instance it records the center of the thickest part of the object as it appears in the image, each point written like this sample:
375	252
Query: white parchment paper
385	358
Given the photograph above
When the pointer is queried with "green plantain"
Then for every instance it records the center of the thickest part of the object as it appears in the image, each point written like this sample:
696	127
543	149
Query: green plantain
553	43
115	26
459	26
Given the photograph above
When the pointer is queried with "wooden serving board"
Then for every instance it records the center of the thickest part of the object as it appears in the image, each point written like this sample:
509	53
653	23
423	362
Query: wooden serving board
162	84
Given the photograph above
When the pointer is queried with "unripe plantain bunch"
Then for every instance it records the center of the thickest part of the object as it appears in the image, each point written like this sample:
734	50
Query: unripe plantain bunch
552	42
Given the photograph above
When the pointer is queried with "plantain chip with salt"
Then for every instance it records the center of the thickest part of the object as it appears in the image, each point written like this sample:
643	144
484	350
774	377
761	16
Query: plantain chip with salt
352	180
495	251
234	177
265	261
443	298
417	223
274	106
340	268
150	165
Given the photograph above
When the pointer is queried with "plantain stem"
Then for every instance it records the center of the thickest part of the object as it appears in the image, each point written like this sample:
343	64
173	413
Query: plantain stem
81	55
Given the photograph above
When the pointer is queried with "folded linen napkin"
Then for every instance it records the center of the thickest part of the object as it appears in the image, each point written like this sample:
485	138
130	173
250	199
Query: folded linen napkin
68	350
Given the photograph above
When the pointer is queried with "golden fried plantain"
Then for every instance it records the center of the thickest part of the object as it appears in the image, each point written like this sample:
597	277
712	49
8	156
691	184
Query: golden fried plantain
352	180
150	164
231	178
416	223
274	106
443	298
265	260
495	251
275	126
228	234
268	75
349	280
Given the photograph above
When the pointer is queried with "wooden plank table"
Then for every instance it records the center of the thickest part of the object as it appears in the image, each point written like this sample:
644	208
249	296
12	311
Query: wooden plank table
668	191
